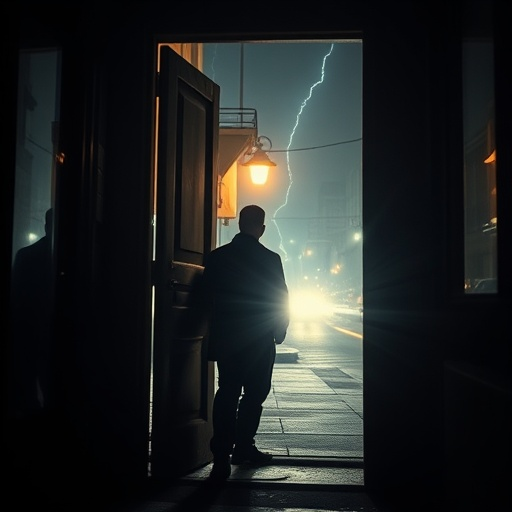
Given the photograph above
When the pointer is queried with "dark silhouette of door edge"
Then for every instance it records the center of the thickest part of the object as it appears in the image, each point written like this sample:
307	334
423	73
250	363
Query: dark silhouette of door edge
183	379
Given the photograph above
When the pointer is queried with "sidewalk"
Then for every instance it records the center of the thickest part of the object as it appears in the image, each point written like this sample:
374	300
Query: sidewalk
312	422
313	412
315	408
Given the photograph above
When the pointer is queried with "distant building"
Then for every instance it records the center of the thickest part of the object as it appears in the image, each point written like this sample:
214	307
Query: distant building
333	248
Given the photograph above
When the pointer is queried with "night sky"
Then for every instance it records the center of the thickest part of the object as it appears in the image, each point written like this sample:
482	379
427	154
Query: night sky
306	95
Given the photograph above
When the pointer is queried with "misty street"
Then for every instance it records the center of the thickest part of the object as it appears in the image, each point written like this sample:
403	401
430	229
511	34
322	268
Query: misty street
331	339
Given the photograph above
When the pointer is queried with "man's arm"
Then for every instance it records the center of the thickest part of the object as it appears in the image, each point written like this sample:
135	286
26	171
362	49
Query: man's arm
282	304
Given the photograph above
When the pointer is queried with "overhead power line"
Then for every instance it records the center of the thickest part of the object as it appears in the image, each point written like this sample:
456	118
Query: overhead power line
314	147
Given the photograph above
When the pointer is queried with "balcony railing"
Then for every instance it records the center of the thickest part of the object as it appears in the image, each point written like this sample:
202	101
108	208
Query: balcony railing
238	118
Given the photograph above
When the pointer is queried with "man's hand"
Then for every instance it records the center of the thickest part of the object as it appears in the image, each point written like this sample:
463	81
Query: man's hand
279	337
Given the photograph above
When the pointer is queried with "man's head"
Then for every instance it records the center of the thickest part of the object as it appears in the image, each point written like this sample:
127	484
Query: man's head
252	220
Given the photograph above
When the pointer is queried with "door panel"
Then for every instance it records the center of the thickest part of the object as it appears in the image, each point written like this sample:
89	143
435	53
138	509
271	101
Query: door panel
183	384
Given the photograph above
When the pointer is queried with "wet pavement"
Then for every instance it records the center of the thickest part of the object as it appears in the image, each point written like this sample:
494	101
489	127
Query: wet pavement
312	423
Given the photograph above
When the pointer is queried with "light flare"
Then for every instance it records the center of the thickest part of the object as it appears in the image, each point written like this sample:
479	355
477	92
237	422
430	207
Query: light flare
309	304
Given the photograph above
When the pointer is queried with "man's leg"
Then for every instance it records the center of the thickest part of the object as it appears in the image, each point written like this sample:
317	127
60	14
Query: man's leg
224	420
257	385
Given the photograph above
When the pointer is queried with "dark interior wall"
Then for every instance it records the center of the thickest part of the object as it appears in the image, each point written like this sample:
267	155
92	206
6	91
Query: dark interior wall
402	352
477	388
124	344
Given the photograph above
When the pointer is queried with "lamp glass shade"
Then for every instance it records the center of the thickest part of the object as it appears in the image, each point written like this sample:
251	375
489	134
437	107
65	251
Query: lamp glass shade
259	165
259	174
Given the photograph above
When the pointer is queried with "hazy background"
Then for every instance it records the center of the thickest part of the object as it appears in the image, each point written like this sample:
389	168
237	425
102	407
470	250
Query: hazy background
306	95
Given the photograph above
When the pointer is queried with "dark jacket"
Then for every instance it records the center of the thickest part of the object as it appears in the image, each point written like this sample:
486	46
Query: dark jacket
246	295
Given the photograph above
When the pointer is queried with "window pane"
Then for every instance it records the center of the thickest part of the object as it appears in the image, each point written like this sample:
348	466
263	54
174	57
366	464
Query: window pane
481	221
33	276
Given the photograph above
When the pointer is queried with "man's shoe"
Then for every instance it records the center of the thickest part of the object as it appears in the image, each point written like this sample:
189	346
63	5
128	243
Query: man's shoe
221	470
250	455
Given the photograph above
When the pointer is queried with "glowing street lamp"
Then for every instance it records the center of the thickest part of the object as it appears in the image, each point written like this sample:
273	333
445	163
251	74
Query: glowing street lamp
259	162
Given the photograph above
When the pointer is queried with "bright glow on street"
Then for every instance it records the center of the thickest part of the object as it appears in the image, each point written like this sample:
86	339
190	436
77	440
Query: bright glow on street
309	304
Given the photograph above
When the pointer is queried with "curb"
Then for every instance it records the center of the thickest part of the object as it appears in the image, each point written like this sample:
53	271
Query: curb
286	355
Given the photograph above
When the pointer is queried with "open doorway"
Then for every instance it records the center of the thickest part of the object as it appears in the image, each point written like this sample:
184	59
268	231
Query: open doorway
307	98
309	117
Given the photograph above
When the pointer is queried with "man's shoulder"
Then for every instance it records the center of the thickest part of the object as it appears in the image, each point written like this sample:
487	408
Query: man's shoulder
219	253
34	250
221	250
243	245
271	253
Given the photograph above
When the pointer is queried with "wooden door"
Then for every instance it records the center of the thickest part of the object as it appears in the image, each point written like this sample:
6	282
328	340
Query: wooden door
183	379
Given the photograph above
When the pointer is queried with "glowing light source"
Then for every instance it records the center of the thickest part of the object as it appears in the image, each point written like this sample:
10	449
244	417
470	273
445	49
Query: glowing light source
259	162
309	304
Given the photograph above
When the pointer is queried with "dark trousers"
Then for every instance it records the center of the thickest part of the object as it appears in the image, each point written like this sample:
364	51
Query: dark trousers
244	382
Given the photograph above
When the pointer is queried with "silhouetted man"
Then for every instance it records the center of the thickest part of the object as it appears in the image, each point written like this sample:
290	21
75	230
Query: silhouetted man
249	314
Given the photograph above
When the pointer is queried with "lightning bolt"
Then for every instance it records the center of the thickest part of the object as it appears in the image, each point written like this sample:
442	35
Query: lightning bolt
297	120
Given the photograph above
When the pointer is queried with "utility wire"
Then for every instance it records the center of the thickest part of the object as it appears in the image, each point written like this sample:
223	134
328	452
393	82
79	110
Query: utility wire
313	147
